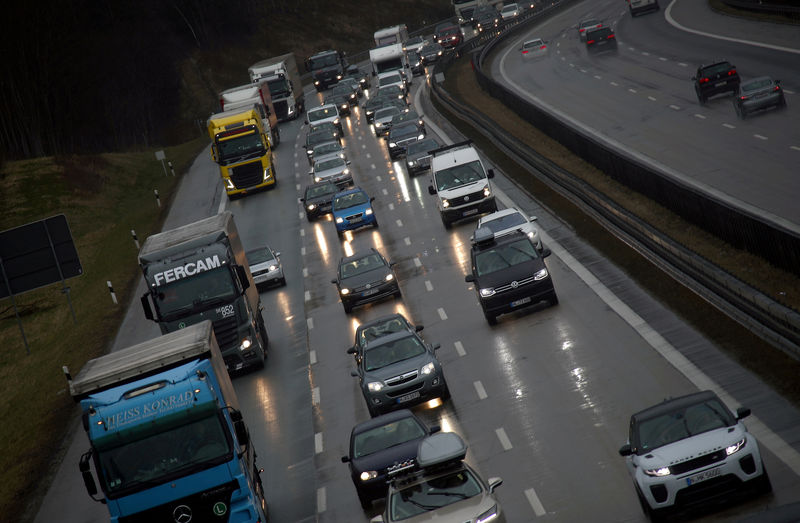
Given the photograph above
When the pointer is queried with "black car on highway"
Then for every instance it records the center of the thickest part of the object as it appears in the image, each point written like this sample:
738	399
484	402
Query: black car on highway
418	155
715	78
365	277
401	136
317	199
382	448
602	39
383	326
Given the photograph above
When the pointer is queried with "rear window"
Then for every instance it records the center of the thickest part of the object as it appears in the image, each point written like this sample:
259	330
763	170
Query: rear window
603	32
721	67
532	44
758	83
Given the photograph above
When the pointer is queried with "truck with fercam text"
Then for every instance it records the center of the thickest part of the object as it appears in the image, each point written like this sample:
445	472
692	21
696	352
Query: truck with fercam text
326	68
254	95
167	439
285	86
241	148
199	272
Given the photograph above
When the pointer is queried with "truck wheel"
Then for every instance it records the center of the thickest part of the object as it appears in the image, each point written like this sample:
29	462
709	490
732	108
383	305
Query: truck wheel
553	298
490	318
347	308
446	222
277	136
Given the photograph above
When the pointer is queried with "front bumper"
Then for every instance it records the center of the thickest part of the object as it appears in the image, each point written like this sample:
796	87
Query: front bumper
350	223
376	292
512	299
268	277
482	206
419	390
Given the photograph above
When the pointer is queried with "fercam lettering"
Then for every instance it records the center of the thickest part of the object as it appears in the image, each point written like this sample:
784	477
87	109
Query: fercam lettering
189	269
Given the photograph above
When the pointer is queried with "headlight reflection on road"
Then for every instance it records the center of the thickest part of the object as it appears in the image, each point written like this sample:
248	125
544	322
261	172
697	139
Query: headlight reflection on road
461	254
321	242
401	180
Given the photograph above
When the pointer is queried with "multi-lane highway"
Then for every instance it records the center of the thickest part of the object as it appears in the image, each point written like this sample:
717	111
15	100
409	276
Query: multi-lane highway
543	398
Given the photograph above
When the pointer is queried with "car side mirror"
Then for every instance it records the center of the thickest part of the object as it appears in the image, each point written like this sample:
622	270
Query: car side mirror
277	253
742	412
533	218
372	198
469	278
490	173
333	281
418	328
310	172
546	252
354	373
351	350
625	450
392	264
494	483
347	162
431	190
436	346
435	428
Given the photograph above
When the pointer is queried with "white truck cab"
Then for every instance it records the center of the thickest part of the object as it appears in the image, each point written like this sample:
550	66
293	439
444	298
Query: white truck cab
460	183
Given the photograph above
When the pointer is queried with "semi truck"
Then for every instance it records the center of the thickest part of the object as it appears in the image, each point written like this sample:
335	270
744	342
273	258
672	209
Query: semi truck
167	440
285	86
326	68
250	95
200	272
241	148
397	34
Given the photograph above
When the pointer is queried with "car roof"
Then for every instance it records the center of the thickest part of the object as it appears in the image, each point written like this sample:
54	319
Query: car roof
382	319
359	255
672	404
385	419
499	213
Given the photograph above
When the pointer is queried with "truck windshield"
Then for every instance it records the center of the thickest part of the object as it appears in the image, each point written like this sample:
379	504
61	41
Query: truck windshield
278	87
459	175
393	64
163	456
203	288
323	61
233	149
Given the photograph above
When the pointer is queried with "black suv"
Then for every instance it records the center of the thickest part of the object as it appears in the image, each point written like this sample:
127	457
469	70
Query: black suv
508	273
712	79
602	39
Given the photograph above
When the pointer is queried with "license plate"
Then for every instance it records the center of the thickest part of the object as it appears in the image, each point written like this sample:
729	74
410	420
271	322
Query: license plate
523	301
408	397
355	220
369	292
471	211
722	83
707	474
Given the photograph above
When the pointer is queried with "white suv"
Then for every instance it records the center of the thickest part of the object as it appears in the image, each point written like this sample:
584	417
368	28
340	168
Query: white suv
460	183
325	113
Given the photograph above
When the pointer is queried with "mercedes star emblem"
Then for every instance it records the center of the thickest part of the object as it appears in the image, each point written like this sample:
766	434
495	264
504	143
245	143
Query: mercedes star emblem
182	514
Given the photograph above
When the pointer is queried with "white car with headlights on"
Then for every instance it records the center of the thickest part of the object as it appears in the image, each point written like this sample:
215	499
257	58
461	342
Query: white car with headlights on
686	451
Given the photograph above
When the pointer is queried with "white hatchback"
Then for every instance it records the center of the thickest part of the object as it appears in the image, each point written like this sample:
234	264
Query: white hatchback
534	48
509	220
509	11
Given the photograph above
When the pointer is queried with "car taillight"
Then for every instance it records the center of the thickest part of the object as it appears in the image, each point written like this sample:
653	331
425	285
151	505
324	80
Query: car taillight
610	37
543	47
732	72
743	97
590	41
776	88
703	80
525	51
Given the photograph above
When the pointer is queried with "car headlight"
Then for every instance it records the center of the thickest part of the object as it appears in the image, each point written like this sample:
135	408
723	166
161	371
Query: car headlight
532	235
344	291
486	191
420	137
346	170
341	155
336	122
378	124
368	475
540	275
439	53
273	268
657	473
245	344
311	207
389	277
338	77
309	152
392	144
344	106
317	179
488	291
445	203
489	515
368	211
374	386
428	368
411	163
736	447
316	82
339	219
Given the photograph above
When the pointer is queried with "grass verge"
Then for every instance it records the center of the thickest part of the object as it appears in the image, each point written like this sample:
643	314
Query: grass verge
103	197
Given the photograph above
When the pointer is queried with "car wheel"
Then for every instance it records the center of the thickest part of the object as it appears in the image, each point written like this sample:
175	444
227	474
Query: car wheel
446	222
373	411
742	113
553	298
446	392
650	513
282	282
490	318
309	217
397	294
700	98
347	308
763	483
366	502
375	223
782	103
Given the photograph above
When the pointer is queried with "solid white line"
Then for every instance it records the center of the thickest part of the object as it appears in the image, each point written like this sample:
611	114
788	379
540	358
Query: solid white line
399	223
480	390
760	137
318	442
310	323
407	240
312	357
321	503
442	314
536	505
315	396
308	296
428	285
417	263
503	437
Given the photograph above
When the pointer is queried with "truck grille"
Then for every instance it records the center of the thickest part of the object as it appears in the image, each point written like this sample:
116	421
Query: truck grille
281	109
247	175
467	199
226	332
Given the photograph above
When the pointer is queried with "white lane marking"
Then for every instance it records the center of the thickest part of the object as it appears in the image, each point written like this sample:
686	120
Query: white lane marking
308	296
318	443
363	146
503	437
630	90
681	64
598	77
760	137
321	503
368	155
662	58
399	223
536	505
787	91
583	71
315	396
675	107
796	148
300	215
428	285
296	165
572	65
297	186
671	21
631	49
651	98
310	323
372	166
391	206
378	178
700	116
729	126
407	240
312	357
302	232
305	272
384	192
460	348
645	53
417	263
302	251
442	314
615	84
480	390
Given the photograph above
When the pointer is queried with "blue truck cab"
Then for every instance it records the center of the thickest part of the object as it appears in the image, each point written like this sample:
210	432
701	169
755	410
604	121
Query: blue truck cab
167	438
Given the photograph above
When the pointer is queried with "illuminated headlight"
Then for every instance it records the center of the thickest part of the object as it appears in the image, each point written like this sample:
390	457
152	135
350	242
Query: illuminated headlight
420	137
229	183
341	155
412	163
339	219
309	152
399	96
486	191
344	106
317	179
427	368
445	203
540	275
368	475
246	343
374	386
338	77
416	64
346	170
736	447
311	207
657	473
439	53
368	212
369	112
392	144
532	235
489	515
363	81
316	82
421	122
488	291
353	96
336	122
344	291
378	124
273	268
389	277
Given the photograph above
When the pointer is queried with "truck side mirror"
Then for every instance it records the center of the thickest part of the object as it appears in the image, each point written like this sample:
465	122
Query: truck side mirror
490	173
241	432
243	279
214	153
86	473
148	311
469	278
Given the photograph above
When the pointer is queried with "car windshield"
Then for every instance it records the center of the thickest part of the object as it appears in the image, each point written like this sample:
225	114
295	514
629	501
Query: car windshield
510	8
432	494
402	117
315	115
199	291
758	83
504	222
532	44
459	175
603	32
588	23
332	163
504	256
405	130
327	148
261	255
321	190
391	352
232	149
386	112
682	423
375	331
386	436
346	201
423	146
360	266
319	137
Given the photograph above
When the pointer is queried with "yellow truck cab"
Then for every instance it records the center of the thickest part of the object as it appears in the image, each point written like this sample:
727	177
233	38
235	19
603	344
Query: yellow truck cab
239	145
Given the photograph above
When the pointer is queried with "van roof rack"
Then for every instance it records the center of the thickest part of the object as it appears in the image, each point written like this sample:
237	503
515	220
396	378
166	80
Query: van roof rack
459	145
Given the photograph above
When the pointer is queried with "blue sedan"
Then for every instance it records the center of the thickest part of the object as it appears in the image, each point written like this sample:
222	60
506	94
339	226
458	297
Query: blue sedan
352	209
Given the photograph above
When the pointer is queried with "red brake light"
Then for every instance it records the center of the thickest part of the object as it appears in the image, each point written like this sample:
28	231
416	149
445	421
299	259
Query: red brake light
543	47
703	80
743	97
581	30
590	41
525	51
732	72
776	88
610	37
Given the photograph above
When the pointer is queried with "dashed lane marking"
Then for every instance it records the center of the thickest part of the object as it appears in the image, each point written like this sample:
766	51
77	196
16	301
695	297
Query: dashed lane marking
480	390
760	137
503	437
417	263
318	443
407	240
312	357
442	314
428	285
310	323
536	505
315	396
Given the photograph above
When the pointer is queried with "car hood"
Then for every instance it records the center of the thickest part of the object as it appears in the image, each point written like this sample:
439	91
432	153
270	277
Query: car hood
387	457
464	511
392	370
328	70
692	447
330	172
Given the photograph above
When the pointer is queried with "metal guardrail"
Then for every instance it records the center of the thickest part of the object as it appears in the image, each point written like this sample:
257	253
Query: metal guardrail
770	320
788	9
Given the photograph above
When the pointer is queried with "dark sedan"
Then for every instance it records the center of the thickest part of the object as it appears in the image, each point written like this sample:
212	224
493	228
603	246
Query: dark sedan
341	101
365	277
401	136
317	199
759	93
430	52
418	155
382	447
376	328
